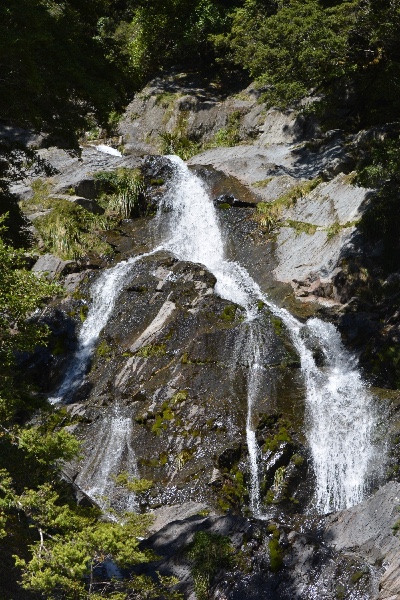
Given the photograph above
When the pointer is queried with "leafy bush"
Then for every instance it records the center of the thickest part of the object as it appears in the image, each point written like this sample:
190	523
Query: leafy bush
122	190
70	231
380	169
178	143
275	555
209	553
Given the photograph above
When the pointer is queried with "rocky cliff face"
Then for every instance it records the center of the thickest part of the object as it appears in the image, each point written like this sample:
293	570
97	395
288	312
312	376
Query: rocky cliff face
165	394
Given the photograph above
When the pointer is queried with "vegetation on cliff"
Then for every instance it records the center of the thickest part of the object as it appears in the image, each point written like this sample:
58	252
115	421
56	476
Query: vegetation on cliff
69	66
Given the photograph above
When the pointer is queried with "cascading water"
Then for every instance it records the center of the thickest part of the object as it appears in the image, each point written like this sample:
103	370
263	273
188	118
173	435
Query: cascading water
104	293
113	453
114	437
249	350
339	408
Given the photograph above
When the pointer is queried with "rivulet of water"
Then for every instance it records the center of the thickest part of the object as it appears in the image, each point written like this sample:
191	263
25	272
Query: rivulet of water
104	293
112	455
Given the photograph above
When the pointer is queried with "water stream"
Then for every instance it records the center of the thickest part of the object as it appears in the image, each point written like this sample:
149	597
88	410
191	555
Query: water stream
104	293
112	455
339	408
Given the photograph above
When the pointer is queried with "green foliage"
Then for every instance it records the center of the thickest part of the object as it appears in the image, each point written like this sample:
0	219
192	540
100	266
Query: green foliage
138	486
380	169
70	231
333	230
152	350
273	443
279	478
56	78
48	447
183	457
347	52
161	34
122	190
356	577
396	527
275	555
103	350
21	292
381	163
269	214
229	312
234	493
263	42
277	324
336	228
179	397
301	227
262	182
59	547
209	553
163	417
178	143
72	543
143	587
229	135
58	73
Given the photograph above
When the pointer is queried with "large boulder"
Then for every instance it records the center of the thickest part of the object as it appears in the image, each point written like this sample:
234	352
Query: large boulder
370	530
53	267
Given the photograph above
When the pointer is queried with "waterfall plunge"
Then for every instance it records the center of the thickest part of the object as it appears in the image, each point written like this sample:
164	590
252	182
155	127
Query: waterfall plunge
339	408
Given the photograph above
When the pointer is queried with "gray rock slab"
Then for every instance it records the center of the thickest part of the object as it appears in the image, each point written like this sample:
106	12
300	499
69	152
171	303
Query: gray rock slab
40	213
89	205
71	169
73	280
335	201
52	266
301	255
250	163
177	512
88	188
367	529
247	163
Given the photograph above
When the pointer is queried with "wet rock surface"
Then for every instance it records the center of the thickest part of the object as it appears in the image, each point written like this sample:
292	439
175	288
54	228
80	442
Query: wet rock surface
165	359
308	568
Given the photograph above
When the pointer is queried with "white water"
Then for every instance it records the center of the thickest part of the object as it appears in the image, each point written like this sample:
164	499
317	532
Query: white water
108	150
339	408
104	292
112	454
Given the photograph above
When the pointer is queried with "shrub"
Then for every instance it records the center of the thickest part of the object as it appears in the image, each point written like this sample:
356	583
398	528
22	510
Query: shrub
209	553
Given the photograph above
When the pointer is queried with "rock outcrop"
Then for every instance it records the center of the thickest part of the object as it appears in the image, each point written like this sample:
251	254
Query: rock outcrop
165	361
168	377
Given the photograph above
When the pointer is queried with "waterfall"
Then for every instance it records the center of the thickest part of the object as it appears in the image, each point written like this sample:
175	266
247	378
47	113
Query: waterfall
339	406
112	454
104	293
113	441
